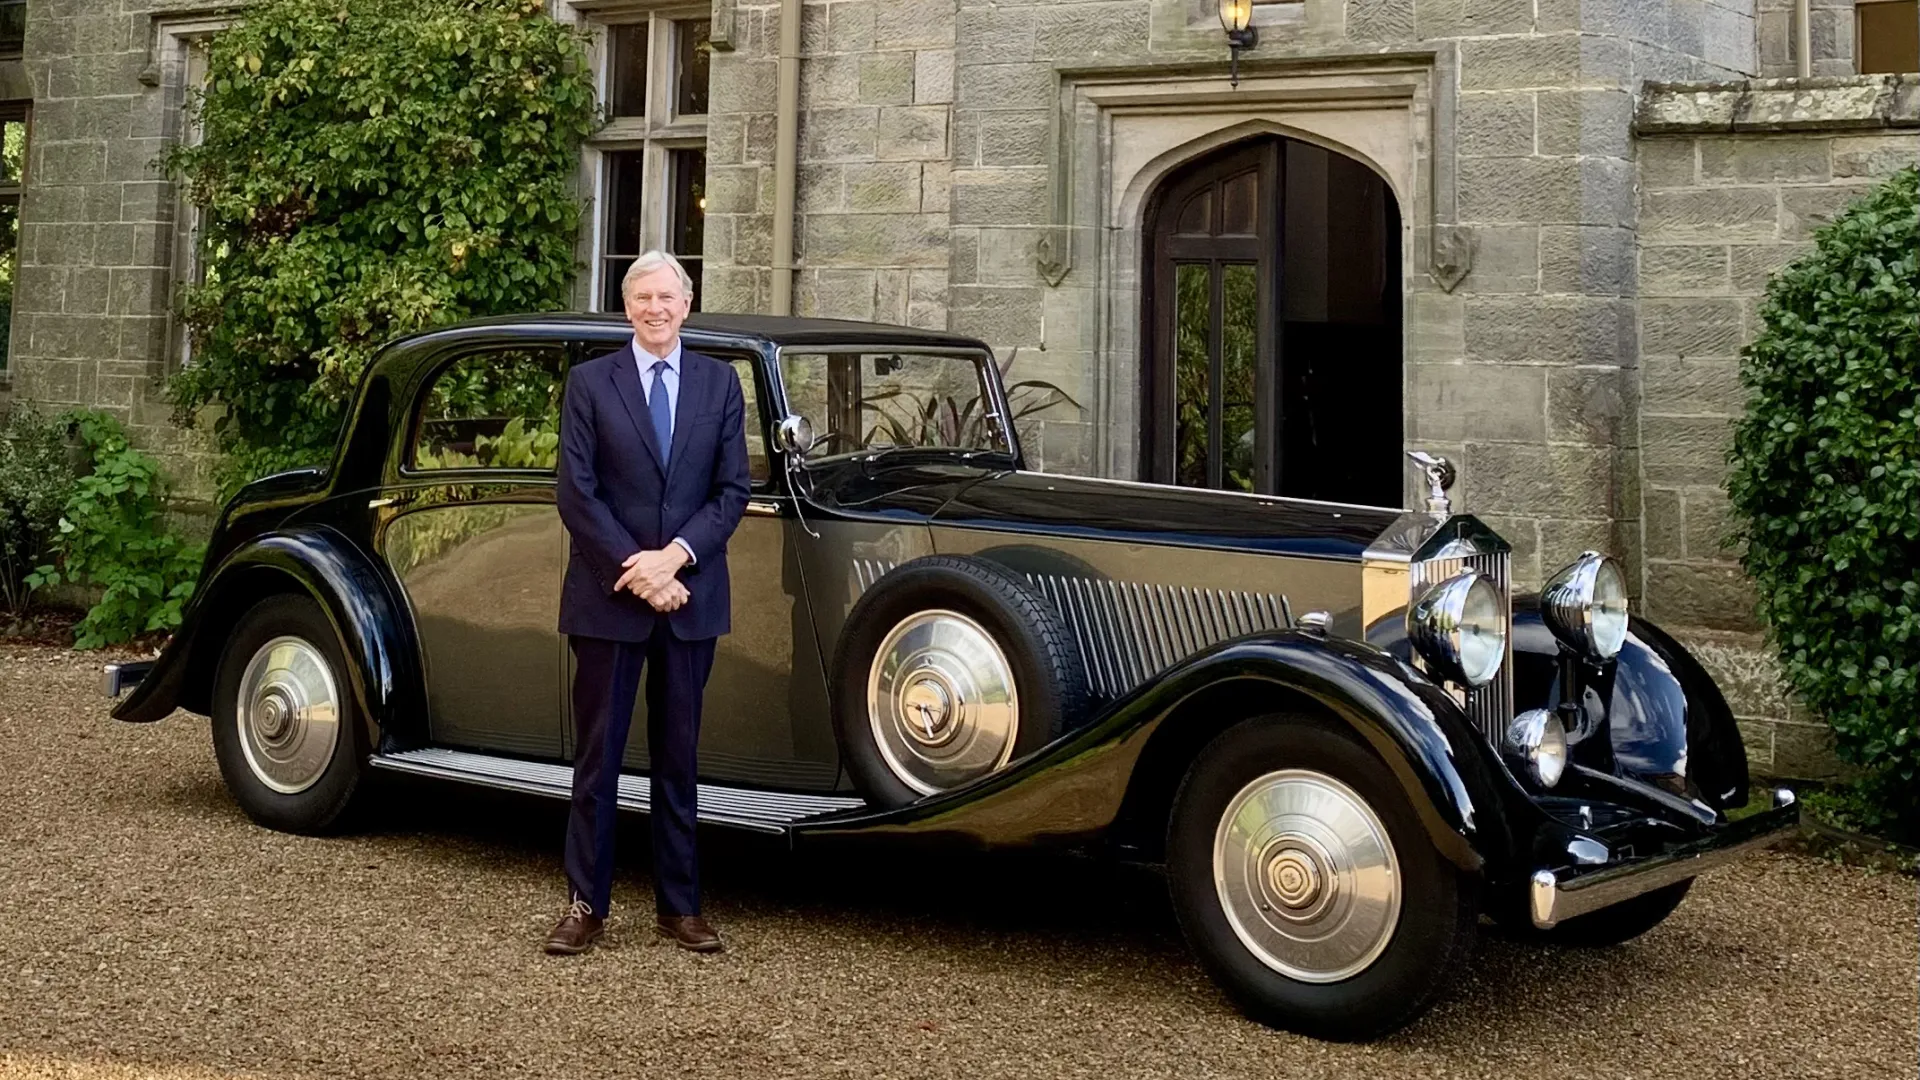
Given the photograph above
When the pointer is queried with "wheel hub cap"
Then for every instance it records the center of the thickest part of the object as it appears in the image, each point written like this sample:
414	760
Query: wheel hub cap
288	715
929	711
941	701
1293	877
1307	876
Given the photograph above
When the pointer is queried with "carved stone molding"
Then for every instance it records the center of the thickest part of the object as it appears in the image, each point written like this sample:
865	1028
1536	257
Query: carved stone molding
1451	256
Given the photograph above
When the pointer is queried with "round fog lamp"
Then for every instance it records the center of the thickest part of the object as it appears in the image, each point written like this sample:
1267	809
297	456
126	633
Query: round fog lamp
1460	628
1585	606
1537	738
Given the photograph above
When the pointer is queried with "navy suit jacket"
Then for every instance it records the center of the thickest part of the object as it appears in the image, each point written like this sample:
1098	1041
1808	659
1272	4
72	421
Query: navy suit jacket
616	499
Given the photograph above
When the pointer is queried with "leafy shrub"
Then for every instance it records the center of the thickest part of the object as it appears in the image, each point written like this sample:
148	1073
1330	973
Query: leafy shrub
1826	485
35	480
112	534
368	169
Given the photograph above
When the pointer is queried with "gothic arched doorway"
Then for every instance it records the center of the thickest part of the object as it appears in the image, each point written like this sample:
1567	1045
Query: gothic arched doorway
1272	309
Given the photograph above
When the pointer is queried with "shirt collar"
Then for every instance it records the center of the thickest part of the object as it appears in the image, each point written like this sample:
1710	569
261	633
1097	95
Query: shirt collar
647	359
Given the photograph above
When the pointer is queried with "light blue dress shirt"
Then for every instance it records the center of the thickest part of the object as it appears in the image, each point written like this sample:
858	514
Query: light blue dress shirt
646	360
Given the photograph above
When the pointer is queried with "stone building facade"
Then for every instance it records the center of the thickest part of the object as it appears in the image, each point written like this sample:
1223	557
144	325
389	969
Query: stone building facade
1457	234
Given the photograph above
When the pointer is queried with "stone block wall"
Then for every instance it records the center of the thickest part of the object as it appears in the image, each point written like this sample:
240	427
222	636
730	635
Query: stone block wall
1831	22
962	99
875	161
94	279
1734	178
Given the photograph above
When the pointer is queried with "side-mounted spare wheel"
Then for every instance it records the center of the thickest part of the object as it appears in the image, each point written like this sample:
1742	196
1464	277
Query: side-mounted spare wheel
949	668
1302	876
291	742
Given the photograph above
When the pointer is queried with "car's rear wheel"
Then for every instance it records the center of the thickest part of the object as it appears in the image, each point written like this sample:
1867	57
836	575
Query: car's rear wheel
949	669
1304	880
291	744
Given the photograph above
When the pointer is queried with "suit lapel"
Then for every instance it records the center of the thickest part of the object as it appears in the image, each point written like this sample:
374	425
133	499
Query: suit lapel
693	373
626	379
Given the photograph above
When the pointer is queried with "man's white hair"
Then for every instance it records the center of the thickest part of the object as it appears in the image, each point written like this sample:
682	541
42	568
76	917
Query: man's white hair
647	264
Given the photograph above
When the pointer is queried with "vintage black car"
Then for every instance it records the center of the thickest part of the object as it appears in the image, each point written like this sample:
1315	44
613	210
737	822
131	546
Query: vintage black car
1334	725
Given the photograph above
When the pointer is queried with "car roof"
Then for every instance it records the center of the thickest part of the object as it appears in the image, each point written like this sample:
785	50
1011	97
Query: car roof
775	330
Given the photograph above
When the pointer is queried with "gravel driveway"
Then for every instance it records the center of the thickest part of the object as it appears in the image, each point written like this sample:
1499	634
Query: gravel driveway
148	929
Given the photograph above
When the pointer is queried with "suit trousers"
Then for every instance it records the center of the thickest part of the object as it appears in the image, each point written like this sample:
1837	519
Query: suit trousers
606	679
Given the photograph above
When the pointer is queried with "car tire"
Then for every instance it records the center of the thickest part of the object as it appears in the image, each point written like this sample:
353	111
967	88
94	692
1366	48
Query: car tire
1324	909
1614	925
291	741
979	659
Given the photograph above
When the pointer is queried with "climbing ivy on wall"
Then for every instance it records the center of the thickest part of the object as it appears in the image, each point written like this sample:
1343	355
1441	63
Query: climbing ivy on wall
367	169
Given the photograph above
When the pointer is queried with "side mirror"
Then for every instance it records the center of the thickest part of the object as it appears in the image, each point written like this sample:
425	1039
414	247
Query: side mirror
795	435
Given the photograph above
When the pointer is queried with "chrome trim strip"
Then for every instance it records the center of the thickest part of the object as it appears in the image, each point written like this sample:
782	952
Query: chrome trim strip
760	811
1552	901
763	508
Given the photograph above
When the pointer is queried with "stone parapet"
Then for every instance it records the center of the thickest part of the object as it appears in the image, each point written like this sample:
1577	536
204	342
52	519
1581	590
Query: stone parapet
1779	105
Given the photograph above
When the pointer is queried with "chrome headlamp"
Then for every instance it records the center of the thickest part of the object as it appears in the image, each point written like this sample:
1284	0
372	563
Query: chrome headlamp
1537	738
1585	606
1458	629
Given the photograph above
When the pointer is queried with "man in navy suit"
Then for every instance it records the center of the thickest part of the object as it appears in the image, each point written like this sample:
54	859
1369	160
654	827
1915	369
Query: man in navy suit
653	480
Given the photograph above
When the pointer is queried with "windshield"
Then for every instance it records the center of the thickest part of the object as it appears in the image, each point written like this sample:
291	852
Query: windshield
860	401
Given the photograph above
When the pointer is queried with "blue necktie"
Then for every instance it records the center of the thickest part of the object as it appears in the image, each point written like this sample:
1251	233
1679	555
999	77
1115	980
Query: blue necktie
661	410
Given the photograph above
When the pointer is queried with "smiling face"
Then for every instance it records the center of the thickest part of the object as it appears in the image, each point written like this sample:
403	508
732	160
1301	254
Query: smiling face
656	306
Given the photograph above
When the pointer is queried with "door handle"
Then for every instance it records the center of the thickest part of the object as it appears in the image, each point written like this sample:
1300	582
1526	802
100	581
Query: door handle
763	507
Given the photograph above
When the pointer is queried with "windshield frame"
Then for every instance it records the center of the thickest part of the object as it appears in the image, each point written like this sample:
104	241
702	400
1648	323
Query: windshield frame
984	360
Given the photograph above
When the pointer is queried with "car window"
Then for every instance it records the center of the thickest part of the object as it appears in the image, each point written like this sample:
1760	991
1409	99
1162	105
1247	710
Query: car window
755	426
497	409
871	400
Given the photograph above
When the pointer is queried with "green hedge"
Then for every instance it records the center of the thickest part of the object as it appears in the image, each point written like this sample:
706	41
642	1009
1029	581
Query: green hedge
1825	486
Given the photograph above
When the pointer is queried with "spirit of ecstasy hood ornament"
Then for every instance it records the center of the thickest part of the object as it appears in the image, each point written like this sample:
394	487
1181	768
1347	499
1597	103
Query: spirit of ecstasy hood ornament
1440	476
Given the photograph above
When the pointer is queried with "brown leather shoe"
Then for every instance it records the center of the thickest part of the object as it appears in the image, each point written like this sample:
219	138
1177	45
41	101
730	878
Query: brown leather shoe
689	932
576	931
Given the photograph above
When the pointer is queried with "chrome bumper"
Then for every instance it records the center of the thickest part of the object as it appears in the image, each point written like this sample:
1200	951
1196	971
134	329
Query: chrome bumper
1556	897
118	678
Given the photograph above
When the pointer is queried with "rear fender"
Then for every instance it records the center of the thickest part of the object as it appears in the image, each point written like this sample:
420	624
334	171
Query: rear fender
313	560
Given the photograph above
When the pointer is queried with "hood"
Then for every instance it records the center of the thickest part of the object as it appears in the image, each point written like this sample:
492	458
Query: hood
1095	509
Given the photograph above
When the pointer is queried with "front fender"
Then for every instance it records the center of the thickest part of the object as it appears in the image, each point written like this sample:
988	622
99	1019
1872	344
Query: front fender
321	563
1116	775
1656	714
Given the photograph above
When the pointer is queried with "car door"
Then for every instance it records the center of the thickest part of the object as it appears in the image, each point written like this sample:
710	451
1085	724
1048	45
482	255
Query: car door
768	679
477	547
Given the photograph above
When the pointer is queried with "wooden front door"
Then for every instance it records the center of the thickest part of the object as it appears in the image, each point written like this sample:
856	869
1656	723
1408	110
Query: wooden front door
1273	326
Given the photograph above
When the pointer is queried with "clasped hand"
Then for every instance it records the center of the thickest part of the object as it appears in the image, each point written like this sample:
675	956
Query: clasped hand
650	576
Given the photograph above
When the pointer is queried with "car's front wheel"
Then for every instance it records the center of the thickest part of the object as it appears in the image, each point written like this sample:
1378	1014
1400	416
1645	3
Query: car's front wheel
1306	883
291	743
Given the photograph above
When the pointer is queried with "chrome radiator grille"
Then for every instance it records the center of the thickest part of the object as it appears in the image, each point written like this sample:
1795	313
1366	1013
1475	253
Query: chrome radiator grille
1129	632
1491	706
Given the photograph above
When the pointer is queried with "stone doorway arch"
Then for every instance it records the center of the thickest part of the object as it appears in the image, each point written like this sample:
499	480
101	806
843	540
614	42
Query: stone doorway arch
1271	313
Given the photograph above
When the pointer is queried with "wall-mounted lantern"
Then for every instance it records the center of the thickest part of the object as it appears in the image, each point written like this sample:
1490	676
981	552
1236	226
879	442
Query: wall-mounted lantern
1236	17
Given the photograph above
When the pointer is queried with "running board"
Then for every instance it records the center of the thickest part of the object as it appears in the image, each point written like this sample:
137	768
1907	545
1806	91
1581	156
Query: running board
743	808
